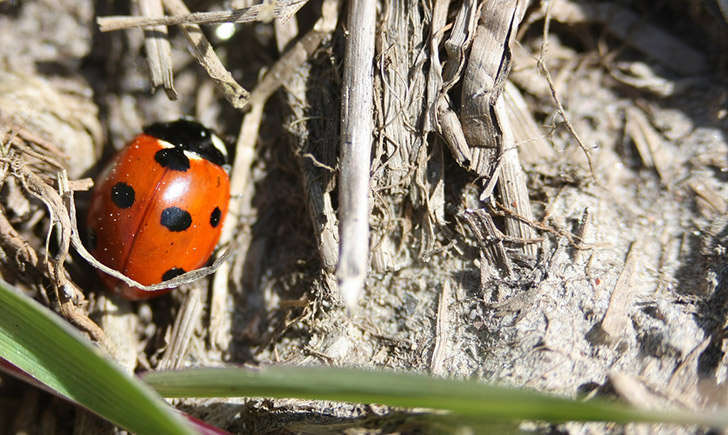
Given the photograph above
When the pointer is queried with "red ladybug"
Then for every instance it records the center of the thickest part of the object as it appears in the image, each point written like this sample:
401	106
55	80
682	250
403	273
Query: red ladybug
158	208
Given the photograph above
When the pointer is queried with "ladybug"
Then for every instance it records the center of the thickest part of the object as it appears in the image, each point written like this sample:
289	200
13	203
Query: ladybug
158	208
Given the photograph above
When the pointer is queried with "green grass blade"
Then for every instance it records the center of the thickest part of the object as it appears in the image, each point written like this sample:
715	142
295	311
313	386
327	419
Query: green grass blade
474	400
38	342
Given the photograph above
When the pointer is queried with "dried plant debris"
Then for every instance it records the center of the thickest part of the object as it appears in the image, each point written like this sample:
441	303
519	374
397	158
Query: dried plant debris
158	46
517	150
34	165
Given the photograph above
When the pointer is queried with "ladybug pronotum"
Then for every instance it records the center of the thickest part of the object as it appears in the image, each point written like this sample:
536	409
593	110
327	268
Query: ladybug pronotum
158	208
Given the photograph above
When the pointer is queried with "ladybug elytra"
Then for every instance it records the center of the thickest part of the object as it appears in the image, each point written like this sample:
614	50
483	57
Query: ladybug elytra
158	208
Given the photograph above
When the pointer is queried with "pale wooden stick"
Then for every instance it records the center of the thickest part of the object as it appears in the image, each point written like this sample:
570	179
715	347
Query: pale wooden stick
261	12
356	146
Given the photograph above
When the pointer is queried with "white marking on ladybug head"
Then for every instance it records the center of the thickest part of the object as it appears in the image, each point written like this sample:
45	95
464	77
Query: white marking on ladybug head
219	144
192	155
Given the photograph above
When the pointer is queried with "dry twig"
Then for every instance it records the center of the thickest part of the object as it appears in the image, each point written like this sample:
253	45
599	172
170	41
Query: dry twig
356	145
264	12
159	51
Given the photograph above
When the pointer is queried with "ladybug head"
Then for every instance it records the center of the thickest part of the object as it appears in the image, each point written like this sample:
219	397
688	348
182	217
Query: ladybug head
191	136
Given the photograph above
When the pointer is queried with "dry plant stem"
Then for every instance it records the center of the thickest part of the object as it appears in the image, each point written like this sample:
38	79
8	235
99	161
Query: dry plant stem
439	81
264	12
708	199
119	322
512	185
321	212
489	238
159	52
287	65
442	329
245	151
16	247
184	326
403	165
285	31
402	80
680	380
483	81
583	232
356	146
542	66
205	55
457	44
434	74
636	393
60	220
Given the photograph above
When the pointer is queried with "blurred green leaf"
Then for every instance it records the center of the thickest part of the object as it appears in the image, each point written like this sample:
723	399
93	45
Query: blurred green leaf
37	341
471	399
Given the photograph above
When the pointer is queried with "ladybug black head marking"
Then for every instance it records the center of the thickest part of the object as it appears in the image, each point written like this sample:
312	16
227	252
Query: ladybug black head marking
172	158
188	135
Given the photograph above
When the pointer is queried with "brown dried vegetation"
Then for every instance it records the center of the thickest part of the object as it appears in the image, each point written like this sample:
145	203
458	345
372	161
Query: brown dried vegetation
546	191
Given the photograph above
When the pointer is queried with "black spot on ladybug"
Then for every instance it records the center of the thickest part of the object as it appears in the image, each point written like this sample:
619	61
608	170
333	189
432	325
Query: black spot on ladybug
189	135
215	217
176	219
122	195
172	273
172	158
91	239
